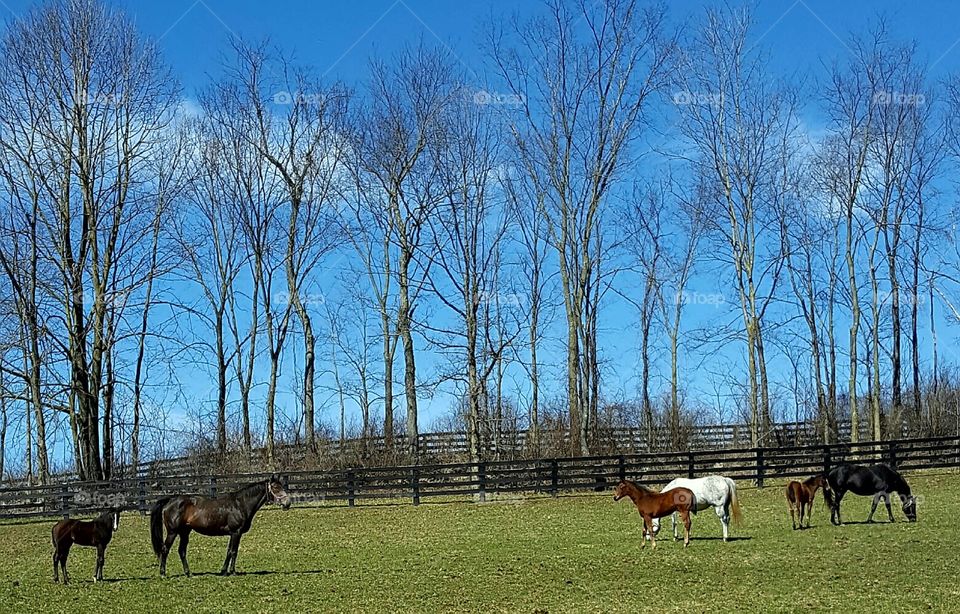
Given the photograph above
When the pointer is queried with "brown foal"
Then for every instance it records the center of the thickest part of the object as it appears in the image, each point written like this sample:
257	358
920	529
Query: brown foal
652	504
800	496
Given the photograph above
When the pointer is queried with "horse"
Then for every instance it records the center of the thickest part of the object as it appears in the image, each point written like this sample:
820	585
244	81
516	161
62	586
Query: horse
876	480
652	504
230	514
800	496
96	533
713	490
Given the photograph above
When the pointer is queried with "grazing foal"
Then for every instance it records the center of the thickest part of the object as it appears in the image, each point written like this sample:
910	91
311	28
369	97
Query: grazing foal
97	533
652	504
800	496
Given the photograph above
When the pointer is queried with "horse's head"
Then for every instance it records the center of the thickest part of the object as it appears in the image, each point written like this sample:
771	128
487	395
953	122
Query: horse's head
116	518
910	508
277	492
620	491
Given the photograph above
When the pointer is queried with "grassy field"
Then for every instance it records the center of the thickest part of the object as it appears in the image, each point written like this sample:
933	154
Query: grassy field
535	555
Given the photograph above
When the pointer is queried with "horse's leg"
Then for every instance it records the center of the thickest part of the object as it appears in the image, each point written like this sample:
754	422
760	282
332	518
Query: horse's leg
167	544
835	509
98	572
873	508
723	513
182	550
56	561
231	548
648	521
686	527
236	548
673	521
886	500
64	553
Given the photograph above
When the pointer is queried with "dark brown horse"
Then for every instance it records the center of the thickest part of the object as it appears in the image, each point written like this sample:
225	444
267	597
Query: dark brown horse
652	504
96	533
230	515
800	496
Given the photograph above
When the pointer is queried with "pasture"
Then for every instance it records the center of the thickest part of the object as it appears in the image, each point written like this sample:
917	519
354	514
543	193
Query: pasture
538	554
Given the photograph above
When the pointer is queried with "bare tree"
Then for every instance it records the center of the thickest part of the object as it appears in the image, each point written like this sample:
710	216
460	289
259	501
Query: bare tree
301	135
104	100
741	125
582	78
404	117
468	232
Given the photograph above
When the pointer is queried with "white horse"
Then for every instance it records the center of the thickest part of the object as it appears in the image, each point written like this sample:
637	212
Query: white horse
713	490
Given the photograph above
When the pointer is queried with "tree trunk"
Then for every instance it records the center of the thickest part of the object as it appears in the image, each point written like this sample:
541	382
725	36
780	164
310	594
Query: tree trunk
409	356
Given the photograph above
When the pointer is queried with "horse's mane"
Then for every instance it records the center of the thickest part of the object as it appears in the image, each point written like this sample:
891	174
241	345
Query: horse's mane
641	487
898	484
250	489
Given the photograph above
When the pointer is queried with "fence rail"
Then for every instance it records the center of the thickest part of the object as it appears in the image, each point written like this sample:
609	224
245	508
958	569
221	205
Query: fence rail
481	481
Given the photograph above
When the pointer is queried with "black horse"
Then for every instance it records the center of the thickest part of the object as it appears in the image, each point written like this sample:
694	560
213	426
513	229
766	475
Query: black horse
96	533
877	481
230	515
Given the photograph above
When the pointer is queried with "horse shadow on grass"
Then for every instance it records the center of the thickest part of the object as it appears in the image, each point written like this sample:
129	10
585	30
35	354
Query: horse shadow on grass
741	538
262	572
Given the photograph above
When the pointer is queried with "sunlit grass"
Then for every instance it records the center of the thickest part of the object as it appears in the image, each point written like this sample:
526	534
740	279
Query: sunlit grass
540	554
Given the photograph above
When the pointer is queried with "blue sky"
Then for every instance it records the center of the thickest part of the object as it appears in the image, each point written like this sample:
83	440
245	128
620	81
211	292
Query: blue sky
338	38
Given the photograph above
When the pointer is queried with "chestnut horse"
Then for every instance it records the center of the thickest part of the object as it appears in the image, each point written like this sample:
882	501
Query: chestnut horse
96	533
800	496
230	515
652	504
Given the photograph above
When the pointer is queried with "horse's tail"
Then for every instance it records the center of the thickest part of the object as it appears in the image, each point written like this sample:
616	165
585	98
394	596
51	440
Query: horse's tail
735	512
156	525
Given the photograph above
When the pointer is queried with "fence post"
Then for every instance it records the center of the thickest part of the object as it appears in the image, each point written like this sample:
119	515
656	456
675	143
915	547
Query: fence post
64	498
415	485
690	465
892	454
554	478
142	496
482	478
351	494
213	486
759	467
622	468
827	460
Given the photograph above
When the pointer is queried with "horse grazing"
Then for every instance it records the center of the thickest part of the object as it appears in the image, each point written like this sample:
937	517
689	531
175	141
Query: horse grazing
97	533
652	504
713	490
230	515
876	480
800	496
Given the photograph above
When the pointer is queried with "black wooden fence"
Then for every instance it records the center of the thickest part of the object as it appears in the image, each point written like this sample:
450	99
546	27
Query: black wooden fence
487	480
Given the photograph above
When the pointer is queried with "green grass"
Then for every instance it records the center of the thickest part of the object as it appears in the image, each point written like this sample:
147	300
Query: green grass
570	554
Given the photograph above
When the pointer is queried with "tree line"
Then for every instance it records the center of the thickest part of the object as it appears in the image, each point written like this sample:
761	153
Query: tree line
380	240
